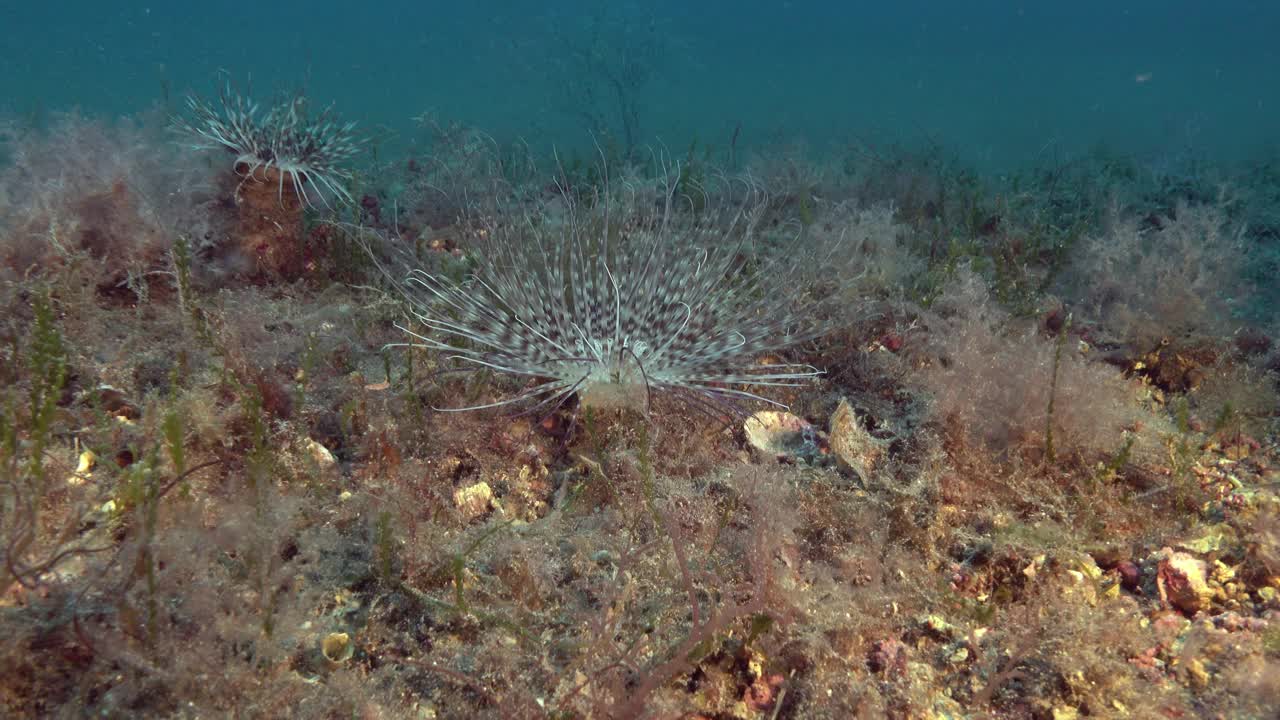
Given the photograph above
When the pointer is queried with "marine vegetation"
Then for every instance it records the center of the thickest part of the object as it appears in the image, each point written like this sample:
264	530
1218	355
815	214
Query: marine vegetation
1036	477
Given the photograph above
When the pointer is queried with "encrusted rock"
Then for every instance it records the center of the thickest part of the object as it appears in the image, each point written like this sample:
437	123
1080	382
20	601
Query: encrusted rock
1183	581
888	656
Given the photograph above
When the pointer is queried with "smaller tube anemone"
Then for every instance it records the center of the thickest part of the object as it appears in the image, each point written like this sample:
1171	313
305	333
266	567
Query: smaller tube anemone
303	151
282	147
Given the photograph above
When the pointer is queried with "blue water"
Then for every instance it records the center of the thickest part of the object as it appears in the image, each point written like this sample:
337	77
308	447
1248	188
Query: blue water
999	83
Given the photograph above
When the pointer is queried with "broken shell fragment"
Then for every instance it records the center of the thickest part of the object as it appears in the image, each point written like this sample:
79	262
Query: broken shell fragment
783	436
84	468
337	648
87	461
854	447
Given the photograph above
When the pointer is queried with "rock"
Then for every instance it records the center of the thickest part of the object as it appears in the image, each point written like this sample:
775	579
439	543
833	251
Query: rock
854	448
1176	368
888	656
1198	674
113	401
763	692
1130	575
1183	581
320	454
937	627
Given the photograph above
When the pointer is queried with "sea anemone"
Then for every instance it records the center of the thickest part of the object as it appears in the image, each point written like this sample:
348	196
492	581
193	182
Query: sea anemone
283	143
614	305
283	146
